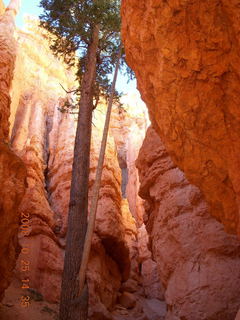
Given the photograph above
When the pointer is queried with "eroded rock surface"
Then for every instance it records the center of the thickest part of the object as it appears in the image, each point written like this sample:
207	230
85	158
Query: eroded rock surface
190	247
44	138
33	104
7	64
186	55
2	7
12	169
128	127
13	185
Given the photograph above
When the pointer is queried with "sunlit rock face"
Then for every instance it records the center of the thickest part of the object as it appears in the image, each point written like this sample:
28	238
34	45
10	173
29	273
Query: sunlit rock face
12	169
7	63
44	138
2	7
128	126
186	55
190	247
36	94
115	226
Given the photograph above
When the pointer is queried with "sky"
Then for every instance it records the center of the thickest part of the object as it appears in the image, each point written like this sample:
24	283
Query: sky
32	7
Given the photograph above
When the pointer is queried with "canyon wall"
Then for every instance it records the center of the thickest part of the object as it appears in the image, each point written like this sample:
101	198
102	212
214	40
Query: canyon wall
7	60
2	7
189	250
129	124
36	94
43	137
12	169
186	58
197	261
128	127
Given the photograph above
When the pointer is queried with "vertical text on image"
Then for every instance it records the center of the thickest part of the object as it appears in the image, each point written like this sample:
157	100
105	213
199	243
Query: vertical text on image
25	229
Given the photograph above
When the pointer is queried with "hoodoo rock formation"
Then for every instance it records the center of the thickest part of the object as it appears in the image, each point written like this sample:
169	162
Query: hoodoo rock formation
186	58
192	251
12	169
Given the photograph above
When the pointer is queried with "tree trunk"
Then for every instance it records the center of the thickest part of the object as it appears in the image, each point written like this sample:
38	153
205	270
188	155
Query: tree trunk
73	307
97	183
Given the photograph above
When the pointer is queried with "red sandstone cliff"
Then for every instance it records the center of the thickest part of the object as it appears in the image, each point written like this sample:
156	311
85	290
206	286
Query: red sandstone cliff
186	58
192	251
44	137
12	169
2	7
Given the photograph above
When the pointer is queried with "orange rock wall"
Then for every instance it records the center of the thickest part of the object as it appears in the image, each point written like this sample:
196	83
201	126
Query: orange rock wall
7	63
12	169
186	58
13	185
192	251
2	7
44	138
34	99
128	127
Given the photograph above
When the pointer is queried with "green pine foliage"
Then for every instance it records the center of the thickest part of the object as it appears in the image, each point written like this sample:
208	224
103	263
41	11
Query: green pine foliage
71	22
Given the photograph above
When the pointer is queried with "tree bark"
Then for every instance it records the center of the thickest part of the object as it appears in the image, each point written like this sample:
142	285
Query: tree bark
97	183
73	306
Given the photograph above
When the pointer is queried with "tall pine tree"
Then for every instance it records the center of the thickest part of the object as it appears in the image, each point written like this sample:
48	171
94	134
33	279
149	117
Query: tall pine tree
90	30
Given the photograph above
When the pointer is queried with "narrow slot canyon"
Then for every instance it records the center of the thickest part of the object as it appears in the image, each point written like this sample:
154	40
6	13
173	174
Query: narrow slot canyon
166	239
122	277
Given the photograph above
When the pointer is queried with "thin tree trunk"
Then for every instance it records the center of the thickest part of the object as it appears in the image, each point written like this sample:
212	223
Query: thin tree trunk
97	183
73	307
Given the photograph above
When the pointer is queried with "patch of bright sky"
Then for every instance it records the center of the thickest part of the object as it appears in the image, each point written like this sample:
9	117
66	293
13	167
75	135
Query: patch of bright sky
31	7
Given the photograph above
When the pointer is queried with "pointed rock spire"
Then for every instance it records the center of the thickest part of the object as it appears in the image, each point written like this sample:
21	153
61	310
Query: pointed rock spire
14	6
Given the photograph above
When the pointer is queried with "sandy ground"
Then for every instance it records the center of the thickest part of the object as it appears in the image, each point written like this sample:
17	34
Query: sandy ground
11	309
